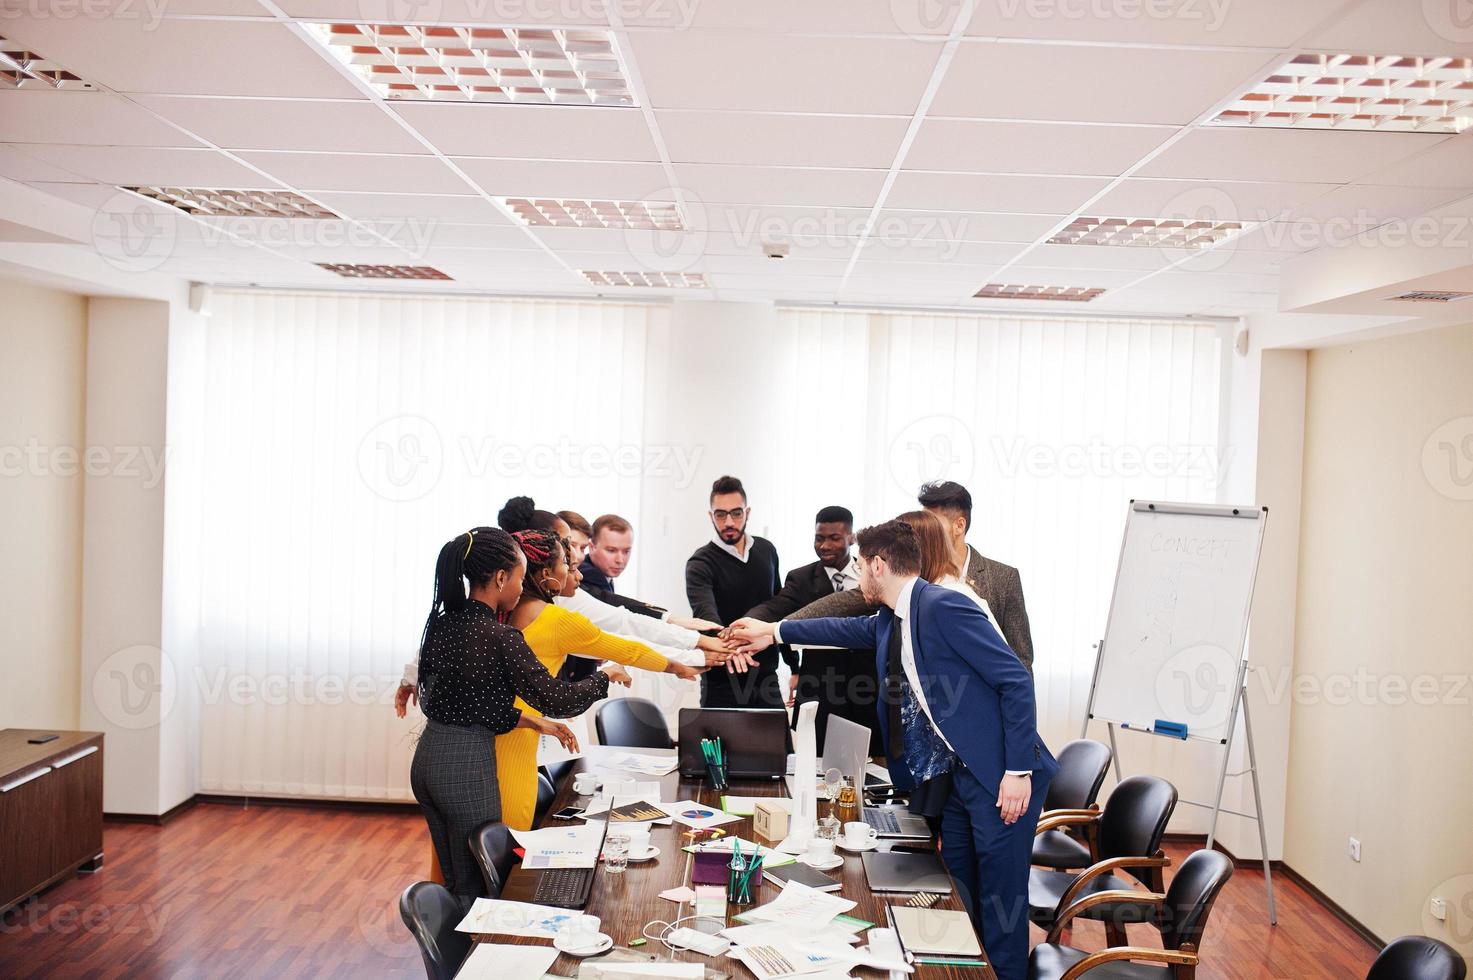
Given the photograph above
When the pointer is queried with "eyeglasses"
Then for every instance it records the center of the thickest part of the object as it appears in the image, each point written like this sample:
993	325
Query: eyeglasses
734	514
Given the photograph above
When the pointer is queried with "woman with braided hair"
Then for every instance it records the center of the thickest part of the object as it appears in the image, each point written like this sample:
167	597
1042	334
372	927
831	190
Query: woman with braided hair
554	633
477	676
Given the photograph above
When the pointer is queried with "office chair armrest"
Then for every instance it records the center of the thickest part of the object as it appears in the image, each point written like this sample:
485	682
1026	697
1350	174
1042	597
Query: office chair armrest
1054	819
1093	808
1182	957
1100	898
1106	867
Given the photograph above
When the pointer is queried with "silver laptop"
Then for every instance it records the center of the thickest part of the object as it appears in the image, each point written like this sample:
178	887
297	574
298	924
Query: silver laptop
904	871
846	748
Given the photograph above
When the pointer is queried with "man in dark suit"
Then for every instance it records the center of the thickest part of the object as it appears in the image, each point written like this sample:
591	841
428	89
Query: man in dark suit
999	584
957	701
840	682
724	578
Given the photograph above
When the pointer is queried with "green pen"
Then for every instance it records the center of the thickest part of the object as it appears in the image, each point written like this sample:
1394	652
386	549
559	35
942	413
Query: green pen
935	961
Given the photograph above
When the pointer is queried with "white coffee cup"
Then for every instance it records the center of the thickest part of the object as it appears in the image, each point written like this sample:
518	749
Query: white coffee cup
580	932
585	784
820	850
639	838
857	833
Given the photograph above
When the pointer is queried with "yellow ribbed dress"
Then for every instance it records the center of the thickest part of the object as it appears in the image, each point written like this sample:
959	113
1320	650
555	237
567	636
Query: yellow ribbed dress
553	635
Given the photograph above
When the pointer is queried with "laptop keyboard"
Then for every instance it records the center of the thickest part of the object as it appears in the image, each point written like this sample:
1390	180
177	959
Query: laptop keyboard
883	821
563	887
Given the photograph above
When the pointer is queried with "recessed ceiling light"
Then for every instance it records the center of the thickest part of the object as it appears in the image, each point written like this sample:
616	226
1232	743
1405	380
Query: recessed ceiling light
1360	91
673	280
563	213
216	203
24	69
482	64
1146	232
1071	294
352	271
1432	296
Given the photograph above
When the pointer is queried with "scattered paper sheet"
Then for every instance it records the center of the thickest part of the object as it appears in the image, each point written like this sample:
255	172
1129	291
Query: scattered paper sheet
697	815
726	845
681	895
496	917
777	932
781	959
489	961
646	765
592	969
746	806
573	846
802	907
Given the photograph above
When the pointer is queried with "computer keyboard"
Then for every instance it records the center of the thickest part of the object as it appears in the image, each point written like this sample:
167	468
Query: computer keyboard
563	887
882	820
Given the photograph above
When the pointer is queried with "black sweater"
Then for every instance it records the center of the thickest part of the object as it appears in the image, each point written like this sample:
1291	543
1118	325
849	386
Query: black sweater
721	588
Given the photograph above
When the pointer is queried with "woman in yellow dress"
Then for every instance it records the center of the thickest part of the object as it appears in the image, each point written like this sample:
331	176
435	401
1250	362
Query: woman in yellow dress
553	634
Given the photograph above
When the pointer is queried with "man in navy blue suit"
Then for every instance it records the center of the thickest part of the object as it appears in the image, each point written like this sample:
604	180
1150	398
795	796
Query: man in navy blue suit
957	700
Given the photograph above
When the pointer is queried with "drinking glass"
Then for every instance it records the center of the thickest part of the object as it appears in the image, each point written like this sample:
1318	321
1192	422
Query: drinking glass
616	853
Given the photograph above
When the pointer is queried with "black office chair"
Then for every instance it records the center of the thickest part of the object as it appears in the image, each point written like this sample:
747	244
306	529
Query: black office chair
1127	837
1180	915
635	722
546	793
492	845
1418	958
558	771
1074	788
431	913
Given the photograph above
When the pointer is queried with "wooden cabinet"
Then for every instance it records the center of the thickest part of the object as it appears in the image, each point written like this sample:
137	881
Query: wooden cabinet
50	809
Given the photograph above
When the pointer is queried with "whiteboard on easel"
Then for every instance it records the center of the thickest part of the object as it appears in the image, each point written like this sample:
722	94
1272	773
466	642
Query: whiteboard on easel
1175	637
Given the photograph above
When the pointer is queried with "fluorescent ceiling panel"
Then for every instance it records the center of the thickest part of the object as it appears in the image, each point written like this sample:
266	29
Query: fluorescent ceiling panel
482	64
213	202
674	280
1360	91
1069	294
568	213
22	69
363	271
1147	232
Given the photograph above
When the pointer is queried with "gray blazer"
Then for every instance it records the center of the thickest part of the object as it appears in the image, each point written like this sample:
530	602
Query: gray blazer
999	584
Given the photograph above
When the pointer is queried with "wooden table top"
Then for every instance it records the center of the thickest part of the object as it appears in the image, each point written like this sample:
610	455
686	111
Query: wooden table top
18	756
626	902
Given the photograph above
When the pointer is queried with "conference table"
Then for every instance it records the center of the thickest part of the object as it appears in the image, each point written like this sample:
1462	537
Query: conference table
627	902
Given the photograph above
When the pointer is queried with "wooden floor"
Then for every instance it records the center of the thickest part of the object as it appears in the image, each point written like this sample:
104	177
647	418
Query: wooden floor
230	891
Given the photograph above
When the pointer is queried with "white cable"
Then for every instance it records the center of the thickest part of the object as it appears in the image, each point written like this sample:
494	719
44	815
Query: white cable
670	927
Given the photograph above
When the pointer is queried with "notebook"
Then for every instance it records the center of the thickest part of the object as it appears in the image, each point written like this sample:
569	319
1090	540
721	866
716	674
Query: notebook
935	932
802	874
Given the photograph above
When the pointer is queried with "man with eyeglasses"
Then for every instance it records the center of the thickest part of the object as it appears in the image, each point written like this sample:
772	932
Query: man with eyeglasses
723	579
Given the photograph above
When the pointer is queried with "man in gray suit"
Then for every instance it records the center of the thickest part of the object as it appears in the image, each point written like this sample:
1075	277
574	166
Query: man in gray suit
999	584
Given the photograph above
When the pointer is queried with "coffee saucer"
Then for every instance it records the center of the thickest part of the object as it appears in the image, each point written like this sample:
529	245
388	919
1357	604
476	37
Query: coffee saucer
858	848
601	943
828	864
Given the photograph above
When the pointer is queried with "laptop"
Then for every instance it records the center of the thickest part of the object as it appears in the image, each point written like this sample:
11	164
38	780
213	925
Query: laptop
905	871
755	741
846	748
566	888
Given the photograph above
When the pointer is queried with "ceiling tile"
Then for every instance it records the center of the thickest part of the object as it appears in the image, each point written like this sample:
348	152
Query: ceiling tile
17	163
581	180
1320	156
186	57
138	166
282	124
1128	258
395	208
695	70
1367	205
809	17
95	118
533	131
1140	197
1090	84
976	192
1259	23
1035	275
88	195
782	140
1448	164
350	172
967	226
970	146
716	185
432	233
578	13
1433	27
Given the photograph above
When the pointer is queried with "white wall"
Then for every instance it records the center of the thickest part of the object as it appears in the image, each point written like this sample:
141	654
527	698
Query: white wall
1384	649
43	349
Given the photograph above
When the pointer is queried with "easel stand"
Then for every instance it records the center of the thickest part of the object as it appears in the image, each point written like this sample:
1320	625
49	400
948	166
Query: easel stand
1240	705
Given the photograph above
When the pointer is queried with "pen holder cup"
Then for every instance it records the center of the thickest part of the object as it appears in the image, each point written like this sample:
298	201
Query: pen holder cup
717	773
743	880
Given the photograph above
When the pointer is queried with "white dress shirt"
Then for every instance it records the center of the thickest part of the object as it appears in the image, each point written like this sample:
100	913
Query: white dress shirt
731	549
848	575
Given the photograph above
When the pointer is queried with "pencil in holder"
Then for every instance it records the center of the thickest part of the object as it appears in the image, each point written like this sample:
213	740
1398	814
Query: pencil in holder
743	878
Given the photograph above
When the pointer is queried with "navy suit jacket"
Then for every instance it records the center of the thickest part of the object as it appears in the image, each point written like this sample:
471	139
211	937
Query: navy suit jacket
979	693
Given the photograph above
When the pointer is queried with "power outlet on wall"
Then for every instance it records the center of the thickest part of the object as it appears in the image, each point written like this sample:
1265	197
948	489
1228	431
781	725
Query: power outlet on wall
1355	849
